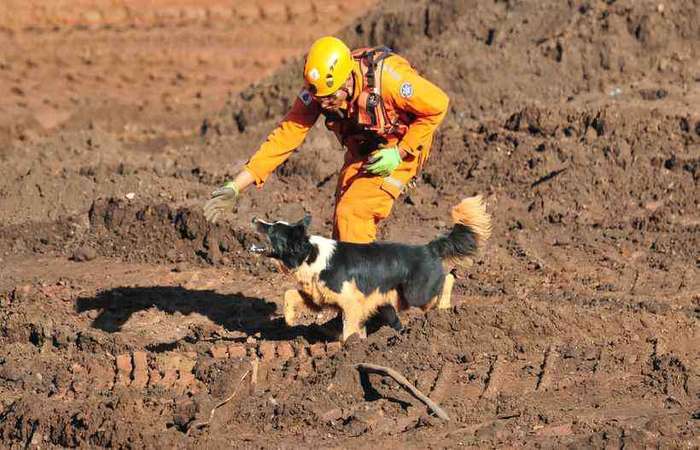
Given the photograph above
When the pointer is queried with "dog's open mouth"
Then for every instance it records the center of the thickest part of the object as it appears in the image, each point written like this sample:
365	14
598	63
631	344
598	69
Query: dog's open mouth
259	249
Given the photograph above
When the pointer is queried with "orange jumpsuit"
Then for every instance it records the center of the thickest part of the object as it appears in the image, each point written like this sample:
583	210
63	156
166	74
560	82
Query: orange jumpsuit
363	199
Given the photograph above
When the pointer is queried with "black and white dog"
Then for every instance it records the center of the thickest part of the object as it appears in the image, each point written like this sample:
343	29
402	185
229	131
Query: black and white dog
359	279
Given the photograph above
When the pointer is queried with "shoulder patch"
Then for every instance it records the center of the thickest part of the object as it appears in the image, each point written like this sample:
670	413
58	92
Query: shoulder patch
406	89
305	97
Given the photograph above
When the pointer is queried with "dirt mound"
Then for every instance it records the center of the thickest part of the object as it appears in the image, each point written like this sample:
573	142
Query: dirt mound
129	317
144	69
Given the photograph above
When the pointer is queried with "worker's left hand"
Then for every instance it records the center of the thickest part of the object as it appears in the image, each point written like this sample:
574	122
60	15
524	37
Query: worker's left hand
384	161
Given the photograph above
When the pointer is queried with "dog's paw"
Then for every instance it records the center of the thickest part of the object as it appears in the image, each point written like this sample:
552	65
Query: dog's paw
396	325
290	319
291	302
290	315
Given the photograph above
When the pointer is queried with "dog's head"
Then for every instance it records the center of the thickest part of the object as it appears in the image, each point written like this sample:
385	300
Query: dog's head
287	242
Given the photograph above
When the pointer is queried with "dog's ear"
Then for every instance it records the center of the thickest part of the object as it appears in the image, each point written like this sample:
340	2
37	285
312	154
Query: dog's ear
305	222
261	226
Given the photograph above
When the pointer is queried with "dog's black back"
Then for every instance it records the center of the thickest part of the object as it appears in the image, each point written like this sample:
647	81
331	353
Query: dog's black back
414	271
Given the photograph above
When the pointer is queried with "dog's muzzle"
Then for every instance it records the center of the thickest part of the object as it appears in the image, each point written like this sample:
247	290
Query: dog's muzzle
260	227
260	249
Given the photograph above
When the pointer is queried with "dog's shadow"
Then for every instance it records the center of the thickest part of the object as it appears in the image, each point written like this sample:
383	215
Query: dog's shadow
234	312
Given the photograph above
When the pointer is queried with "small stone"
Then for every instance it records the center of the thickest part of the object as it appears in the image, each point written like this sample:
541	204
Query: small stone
154	377
266	351
169	378
193	14
236	351
300	350
10	373
354	339
317	350
332	415
220	12
180	267
653	206
92	17
130	196
185	380
285	351
305	369
591	134
218	351
333	347
140	370
84	254
123	369
557	430
114	15
21	292
184	412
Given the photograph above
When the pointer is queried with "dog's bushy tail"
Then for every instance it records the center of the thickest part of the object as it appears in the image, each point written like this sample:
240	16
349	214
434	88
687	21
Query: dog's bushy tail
472	227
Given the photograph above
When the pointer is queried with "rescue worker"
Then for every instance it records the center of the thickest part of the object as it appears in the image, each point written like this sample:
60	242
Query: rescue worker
381	110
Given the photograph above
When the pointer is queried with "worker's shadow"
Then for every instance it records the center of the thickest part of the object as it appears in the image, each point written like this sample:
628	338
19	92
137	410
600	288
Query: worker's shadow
235	312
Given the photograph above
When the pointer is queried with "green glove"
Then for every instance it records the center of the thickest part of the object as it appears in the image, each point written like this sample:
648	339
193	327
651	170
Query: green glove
221	200
384	161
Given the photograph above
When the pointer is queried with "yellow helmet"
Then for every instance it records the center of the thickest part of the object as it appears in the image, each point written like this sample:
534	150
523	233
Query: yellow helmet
328	65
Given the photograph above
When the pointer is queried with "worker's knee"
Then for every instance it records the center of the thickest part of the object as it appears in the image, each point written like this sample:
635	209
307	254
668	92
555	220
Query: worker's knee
358	211
352	224
349	208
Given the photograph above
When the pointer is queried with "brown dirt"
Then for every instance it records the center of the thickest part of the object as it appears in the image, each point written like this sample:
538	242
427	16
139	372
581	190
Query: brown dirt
126	318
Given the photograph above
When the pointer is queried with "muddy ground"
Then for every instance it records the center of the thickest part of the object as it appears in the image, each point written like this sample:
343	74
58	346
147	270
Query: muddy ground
126	319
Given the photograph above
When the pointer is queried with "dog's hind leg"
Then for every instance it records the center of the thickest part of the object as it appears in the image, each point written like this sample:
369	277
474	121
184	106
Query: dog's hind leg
446	295
388	314
353	321
363	333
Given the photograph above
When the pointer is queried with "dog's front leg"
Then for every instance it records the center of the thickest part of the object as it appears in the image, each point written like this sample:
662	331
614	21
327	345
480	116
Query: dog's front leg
293	300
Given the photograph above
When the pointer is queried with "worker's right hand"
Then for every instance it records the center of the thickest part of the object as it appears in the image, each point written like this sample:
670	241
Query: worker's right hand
223	199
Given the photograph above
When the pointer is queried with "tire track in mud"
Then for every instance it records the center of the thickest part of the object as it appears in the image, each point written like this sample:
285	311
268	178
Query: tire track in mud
527	387
175	371
560	370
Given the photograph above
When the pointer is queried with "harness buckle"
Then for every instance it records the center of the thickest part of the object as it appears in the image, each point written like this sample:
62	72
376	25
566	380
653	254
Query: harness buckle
372	100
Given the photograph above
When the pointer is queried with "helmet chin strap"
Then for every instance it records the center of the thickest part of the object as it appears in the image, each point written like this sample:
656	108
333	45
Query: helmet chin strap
349	86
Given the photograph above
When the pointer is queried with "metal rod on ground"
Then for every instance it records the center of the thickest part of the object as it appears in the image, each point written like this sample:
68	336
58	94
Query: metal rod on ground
373	368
